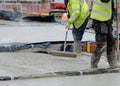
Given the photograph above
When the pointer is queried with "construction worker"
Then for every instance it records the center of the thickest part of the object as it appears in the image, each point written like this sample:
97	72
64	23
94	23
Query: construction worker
78	14
102	23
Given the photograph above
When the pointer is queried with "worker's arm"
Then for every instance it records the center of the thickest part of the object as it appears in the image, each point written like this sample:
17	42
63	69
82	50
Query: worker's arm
75	6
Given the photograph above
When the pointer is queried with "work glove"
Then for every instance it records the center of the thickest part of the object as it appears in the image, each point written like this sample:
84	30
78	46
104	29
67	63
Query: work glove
68	27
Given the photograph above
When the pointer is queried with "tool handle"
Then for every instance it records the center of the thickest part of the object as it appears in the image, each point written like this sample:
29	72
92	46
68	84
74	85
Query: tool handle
117	29
65	40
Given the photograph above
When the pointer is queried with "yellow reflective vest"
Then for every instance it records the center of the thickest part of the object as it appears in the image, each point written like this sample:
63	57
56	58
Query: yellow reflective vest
79	11
101	11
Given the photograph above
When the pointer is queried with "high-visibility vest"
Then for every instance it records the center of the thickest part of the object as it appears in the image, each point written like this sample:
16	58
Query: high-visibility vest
78	10
101	11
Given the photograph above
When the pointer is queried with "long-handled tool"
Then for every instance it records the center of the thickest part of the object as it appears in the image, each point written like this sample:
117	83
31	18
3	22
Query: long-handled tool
61	53
65	40
64	53
117	29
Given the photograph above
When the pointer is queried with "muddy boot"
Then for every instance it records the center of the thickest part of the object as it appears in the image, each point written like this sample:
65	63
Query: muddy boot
112	60
96	55
111	57
77	47
114	65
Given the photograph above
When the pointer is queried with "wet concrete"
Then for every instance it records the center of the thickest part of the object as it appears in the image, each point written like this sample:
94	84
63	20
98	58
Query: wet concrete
13	64
11	31
27	63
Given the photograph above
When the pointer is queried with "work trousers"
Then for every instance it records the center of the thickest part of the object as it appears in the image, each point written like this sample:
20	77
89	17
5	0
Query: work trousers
78	32
105	41
77	36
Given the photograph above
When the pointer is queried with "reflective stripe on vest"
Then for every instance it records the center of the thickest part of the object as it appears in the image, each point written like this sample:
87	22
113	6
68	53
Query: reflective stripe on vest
80	22
76	9
98	3
101	11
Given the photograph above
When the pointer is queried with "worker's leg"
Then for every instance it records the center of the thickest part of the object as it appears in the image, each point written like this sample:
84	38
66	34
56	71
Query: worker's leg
111	49
77	35
77	46
100	41
101	45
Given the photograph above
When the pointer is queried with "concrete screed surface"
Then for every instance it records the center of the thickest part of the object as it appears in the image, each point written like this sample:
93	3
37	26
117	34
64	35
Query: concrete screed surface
23	32
12	64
